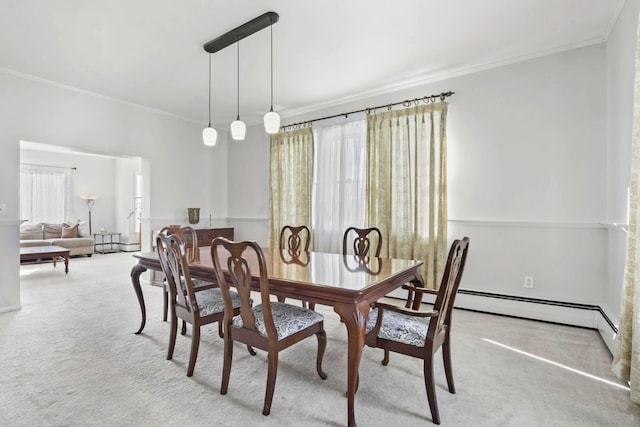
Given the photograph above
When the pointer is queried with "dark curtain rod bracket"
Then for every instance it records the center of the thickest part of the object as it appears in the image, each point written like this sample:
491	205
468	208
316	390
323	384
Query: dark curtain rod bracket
239	33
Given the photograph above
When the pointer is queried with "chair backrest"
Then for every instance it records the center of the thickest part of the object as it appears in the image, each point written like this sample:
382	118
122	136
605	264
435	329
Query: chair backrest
294	238
362	242
449	286
240	257
175	266
190	238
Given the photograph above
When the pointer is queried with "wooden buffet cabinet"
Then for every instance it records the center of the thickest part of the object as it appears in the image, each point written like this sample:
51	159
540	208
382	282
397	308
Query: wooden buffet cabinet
206	235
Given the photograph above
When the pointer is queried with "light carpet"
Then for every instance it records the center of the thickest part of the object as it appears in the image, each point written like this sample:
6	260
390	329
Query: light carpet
69	358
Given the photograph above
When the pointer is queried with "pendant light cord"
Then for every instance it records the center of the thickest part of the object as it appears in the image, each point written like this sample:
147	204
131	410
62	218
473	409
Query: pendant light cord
209	90
271	29
238	85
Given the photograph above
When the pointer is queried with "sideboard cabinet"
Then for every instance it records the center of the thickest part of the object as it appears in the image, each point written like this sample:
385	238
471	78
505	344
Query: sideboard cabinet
206	235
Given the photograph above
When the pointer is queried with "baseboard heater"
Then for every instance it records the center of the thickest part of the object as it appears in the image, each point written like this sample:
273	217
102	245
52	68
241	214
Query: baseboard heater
573	305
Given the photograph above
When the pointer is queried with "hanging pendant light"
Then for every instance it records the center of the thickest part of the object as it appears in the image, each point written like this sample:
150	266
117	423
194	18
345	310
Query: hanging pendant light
238	128
271	119
209	134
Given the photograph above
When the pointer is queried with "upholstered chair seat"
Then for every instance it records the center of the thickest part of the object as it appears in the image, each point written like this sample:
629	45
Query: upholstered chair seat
288	319
211	301
400	327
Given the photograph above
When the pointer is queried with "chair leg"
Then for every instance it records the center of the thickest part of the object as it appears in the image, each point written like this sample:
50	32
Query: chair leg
385	360
271	381
226	366
172	336
195	344
220	333
183	331
312	306
165	302
251	350
322	345
448	368
431	389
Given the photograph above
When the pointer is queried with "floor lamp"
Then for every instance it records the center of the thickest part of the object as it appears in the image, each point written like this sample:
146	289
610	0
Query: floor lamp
91	200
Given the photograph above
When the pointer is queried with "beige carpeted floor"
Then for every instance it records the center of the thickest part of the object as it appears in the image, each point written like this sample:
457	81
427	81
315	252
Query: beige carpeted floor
70	358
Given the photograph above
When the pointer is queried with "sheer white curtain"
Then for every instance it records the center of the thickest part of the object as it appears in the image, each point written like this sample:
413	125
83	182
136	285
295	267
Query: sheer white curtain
338	183
45	194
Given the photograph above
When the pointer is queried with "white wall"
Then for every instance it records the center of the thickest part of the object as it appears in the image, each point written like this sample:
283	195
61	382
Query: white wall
527	176
182	171
621	51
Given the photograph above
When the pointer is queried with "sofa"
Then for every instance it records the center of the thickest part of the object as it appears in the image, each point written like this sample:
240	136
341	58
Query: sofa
70	235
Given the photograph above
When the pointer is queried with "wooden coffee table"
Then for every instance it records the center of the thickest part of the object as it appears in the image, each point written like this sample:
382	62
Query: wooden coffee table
41	252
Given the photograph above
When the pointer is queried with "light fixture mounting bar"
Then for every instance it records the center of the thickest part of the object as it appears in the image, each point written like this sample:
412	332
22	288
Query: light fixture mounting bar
239	33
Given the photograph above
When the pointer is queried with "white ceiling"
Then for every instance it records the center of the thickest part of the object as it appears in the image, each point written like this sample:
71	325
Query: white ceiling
149	52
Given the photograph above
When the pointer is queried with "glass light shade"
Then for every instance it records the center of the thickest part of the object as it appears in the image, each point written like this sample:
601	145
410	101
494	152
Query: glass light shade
272	122
209	136
238	130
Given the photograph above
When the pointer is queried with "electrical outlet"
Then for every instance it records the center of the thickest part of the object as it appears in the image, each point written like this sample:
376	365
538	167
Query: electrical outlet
528	282
3	208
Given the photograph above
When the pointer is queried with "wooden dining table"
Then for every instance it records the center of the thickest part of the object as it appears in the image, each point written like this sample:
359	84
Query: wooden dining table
347	283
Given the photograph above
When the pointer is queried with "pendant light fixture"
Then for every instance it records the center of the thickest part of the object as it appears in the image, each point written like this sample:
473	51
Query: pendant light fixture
209	134
238	128
271	119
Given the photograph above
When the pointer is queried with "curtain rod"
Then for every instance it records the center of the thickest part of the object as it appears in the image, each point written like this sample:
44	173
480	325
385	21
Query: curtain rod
405	103
49	166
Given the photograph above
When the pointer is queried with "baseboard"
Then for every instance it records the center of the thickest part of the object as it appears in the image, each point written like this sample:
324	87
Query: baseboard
10	308
550	311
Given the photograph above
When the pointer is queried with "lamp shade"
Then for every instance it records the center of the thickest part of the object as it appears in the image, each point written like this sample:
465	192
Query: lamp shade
271	122
238	130
209	136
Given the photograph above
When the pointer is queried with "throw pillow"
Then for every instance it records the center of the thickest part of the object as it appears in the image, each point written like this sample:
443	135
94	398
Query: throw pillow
52	231
83	228
31	231
68	232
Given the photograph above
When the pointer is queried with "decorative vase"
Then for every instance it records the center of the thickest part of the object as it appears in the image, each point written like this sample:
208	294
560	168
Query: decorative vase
194	215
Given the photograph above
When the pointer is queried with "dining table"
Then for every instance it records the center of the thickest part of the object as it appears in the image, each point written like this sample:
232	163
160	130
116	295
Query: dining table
348	283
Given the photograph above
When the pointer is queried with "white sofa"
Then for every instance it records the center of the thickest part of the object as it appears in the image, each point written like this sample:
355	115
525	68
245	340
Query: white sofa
46	234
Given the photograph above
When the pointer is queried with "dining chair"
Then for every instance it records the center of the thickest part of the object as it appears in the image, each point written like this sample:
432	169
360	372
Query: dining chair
271	326
197	308
361	244
292	240
193	255
421	333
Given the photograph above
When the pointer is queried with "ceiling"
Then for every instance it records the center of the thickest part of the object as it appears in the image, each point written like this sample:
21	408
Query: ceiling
149	52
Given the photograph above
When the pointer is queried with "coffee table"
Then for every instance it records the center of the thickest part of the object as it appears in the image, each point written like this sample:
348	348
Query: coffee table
40	252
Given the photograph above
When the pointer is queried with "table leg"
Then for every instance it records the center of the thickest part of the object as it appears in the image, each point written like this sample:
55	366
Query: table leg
136	271
354	317
66	263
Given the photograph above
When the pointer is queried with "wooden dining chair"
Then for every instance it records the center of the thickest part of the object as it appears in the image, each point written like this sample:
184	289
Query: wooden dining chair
197	308
295	240
271	326
420	333
361	244
190	238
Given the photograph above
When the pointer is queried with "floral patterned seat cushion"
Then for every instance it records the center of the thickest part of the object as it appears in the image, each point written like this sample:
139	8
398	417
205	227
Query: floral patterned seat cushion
197	283
400	327
288	319
210	301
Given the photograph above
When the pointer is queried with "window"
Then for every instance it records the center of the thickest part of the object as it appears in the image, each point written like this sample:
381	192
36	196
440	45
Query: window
338	183
45	193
